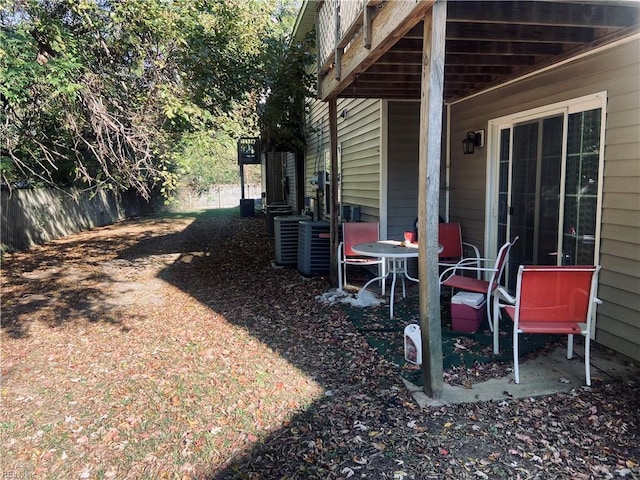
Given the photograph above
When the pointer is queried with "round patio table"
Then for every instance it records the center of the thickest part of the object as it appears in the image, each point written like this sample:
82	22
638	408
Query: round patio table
396	254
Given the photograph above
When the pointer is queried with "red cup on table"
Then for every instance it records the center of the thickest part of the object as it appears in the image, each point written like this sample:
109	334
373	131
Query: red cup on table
410	237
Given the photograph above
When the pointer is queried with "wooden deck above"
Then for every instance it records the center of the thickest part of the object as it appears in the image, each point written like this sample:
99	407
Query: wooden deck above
373	49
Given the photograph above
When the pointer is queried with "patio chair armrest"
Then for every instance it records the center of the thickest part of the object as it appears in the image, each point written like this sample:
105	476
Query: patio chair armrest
473	264
341	251
475	250
501	292
467	261
597	300
452	270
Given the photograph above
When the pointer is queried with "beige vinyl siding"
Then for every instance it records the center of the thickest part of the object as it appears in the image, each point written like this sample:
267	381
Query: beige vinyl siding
317	143
614	70
359	140
618	324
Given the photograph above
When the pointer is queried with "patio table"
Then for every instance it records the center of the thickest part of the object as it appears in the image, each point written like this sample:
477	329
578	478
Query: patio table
396	254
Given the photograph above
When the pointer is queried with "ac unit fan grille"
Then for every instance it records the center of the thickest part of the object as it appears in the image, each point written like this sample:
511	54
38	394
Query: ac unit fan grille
286	238
314	248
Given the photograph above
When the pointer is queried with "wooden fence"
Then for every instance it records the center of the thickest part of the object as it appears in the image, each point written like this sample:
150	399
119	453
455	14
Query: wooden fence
35	216
31	217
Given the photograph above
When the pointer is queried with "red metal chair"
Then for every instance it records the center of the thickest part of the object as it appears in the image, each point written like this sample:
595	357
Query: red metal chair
450	237
354	233
554	300
452	277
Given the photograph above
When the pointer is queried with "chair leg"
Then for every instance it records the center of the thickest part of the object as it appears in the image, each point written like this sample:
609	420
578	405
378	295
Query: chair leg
392	294
587	359
495	325
344	275
340	265
570	347
516	367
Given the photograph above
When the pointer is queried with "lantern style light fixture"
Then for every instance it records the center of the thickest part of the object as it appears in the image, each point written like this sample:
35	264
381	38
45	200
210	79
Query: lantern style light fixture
472	140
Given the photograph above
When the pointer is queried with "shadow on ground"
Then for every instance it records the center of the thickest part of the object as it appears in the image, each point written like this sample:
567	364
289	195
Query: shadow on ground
367	424
364	425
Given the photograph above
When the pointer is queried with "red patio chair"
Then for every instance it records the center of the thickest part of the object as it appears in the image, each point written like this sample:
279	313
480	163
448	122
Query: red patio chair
554	300
452	277
450	237
354	233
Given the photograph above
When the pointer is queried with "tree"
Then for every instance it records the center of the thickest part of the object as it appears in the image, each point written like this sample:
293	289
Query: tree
105	92
286	86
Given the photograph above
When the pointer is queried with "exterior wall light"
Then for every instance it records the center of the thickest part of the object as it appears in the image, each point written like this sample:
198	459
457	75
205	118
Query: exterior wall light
473	139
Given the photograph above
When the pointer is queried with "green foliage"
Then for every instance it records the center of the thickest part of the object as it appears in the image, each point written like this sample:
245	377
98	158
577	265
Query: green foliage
124	93
207	158
287	85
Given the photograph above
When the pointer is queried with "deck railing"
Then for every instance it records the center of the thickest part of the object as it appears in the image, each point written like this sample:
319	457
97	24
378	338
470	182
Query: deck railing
339	23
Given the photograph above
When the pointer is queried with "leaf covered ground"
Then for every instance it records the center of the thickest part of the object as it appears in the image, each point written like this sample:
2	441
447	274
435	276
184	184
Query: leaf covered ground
170	348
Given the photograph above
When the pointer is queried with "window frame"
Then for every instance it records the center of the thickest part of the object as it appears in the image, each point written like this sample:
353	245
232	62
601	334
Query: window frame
495	128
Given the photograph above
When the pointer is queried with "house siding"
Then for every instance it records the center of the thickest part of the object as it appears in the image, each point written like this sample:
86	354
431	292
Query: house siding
402	173
617	71
359	141
317	143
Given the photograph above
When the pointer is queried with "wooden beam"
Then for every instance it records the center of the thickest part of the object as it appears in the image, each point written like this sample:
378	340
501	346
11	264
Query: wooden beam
523	33
391	58
633	30
490	60
476	70
431	105
393	20
402	69
388	94
333	227
381	78
543	13
503	48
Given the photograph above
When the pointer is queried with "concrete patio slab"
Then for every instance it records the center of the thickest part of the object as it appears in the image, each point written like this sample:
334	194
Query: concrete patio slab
539	376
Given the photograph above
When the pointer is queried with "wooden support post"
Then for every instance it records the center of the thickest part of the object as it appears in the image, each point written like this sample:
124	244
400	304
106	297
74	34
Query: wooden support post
333	141
367	19
431	104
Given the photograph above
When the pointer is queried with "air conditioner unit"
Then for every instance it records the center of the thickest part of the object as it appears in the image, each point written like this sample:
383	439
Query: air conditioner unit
286	238
276	210
314	256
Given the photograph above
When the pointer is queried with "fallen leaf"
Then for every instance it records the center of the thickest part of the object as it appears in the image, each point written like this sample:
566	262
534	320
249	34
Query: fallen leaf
347	471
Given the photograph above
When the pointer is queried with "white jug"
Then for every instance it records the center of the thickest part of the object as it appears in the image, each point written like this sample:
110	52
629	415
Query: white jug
413	344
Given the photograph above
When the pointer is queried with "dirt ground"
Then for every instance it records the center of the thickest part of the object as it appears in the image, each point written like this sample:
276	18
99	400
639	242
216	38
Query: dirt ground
170	348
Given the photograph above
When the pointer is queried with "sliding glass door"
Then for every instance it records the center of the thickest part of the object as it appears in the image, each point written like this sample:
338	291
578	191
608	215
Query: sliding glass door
549	171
